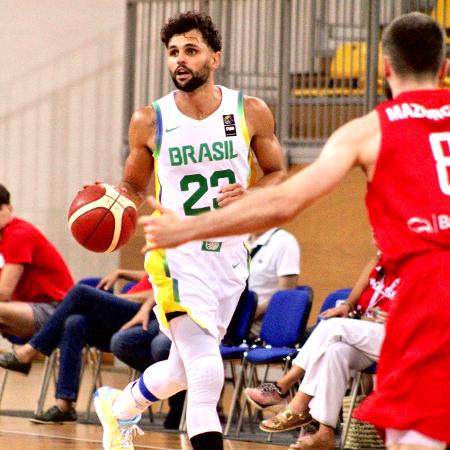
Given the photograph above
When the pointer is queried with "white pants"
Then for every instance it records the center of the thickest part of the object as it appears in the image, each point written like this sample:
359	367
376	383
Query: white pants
335	348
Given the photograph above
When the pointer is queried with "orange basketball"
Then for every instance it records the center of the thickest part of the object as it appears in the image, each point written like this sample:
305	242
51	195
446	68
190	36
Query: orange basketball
102	218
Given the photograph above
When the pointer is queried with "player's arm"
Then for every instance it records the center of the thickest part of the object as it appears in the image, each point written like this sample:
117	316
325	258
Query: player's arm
9	278
264	143
139	163
352	144
265	146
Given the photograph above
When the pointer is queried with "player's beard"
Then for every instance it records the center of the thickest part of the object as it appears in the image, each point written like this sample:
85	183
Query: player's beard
197	79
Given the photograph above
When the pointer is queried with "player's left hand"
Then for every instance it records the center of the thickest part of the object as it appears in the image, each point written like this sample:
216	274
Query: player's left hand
164	231
230	193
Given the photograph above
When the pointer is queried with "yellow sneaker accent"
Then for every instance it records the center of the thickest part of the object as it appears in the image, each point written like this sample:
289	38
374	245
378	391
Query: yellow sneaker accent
117	435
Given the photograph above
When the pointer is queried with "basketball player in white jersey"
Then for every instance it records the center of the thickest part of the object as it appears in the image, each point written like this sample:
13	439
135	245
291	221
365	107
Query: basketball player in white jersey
200	140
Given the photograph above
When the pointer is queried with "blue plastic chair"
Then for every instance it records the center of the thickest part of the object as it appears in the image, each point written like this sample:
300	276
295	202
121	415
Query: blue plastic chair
332	298
282	328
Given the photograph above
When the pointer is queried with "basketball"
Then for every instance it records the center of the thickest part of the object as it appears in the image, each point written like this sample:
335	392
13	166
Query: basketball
102	218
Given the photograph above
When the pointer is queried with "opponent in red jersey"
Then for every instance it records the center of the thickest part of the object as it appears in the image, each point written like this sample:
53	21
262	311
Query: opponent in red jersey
403	147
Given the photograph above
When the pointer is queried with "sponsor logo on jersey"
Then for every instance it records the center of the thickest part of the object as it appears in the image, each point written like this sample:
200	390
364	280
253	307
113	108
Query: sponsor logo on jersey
229	125
436	224
415	111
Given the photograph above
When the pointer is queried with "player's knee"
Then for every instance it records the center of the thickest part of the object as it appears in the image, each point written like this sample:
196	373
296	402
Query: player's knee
163	379
205	379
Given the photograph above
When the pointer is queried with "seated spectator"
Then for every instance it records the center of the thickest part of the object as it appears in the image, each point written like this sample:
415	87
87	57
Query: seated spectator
336	347
33	276
274	265
87	315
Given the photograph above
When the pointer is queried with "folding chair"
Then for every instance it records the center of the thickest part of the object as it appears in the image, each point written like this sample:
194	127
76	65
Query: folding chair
282	328
353	398
49	366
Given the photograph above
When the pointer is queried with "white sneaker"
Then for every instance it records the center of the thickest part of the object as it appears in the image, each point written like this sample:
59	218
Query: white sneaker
117	434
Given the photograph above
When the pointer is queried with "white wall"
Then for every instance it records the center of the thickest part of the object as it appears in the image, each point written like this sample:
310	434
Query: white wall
61	70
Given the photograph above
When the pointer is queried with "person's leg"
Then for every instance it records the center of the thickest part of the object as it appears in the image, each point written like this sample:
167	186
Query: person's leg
70	361
16	318
205	376
160	349
133	346
194	361
106	313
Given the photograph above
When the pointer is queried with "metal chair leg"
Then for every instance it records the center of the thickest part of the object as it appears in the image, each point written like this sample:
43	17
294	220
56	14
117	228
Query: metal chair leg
182	426
49	366
353	394
234	398
3	383
95	379
246	403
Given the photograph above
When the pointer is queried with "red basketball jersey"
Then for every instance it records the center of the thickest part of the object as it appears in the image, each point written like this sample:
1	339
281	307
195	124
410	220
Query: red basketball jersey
409	197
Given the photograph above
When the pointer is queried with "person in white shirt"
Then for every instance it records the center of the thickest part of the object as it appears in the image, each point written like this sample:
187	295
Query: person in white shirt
275	265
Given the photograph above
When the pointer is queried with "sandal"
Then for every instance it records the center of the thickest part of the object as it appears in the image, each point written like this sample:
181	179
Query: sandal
285	420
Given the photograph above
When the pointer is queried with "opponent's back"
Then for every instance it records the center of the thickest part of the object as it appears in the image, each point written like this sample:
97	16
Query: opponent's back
409	197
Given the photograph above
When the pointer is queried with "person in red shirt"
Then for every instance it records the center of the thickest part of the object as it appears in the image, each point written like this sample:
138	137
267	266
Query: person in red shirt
403	148
336	347
33	275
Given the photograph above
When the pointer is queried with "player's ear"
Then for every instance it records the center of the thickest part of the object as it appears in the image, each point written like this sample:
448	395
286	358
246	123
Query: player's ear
215	60
386	67
443	71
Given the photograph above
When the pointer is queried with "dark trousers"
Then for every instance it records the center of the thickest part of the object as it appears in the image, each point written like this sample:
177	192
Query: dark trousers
86	316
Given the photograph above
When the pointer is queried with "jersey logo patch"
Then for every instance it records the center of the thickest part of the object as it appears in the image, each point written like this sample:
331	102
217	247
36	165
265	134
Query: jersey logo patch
229	125
168	130
211	246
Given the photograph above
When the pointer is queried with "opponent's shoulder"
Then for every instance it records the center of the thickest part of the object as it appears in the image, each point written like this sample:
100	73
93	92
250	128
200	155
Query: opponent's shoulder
359	130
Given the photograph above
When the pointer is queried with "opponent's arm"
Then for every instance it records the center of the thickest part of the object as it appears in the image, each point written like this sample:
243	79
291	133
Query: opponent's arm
355	143
265	146
139	163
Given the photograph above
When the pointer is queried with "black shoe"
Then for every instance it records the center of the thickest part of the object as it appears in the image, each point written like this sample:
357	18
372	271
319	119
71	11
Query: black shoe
9	361
55	415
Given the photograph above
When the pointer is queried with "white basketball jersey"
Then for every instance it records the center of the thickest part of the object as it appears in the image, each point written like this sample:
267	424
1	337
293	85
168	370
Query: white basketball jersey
195	158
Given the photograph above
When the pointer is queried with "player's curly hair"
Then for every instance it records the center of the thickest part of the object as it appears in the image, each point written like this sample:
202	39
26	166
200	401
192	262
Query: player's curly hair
4	196
192	20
